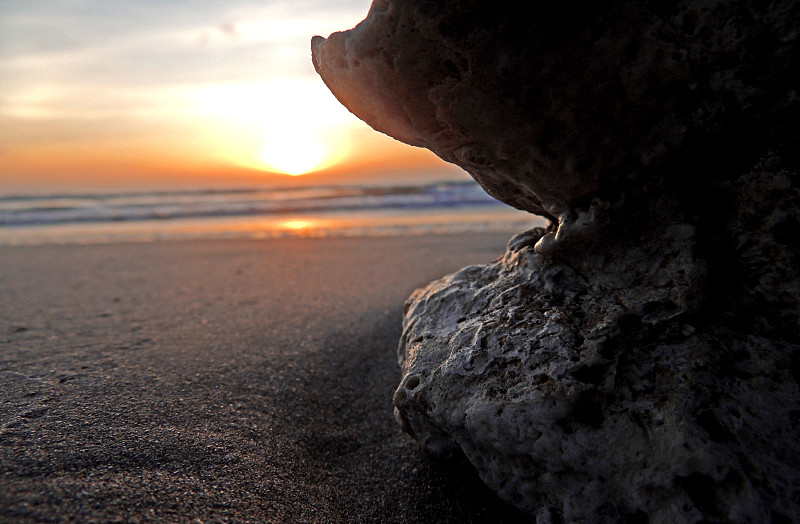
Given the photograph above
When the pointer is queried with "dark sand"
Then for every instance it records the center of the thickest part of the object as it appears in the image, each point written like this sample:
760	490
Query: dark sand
220	381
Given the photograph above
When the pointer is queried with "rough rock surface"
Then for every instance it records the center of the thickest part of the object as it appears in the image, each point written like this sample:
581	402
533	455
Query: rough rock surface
639	359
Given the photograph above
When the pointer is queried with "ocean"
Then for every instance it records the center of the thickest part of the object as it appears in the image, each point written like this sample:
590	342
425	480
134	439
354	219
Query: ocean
256	212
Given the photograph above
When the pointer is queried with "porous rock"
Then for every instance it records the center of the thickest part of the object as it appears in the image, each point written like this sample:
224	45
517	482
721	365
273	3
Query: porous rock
639	359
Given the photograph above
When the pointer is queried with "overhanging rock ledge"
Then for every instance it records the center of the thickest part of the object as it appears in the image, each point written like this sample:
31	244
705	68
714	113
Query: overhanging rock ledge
639	359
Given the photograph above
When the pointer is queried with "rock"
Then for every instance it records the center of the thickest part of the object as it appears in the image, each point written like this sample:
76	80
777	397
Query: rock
639	359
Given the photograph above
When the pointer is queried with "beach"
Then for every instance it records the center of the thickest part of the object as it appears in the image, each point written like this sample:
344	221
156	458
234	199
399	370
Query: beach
209	380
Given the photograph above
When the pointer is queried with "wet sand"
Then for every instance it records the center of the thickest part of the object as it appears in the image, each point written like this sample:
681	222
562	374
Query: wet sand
220	381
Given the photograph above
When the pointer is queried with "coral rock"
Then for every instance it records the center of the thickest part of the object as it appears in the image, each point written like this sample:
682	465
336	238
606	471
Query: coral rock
639	358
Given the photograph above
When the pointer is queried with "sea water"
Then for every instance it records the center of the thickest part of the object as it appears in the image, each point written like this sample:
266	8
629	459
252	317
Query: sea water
255	212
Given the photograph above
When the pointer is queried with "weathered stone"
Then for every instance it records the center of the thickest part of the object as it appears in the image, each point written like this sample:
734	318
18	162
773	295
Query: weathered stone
639	358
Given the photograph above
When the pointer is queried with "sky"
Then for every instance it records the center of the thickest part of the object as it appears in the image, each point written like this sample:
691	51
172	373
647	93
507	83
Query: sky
150	93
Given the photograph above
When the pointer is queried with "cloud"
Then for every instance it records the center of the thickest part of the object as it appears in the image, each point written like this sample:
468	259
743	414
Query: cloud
77	68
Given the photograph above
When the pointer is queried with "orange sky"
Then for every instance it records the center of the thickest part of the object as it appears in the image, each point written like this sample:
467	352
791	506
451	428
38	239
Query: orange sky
140	93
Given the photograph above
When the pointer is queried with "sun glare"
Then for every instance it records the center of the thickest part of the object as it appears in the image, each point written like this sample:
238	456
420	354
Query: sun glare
297	224
293	126
294	154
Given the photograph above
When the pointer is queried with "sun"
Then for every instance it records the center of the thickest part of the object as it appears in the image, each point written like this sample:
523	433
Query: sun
294	153
291	125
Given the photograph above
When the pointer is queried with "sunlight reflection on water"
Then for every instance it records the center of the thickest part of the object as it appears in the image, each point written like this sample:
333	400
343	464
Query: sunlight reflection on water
363	223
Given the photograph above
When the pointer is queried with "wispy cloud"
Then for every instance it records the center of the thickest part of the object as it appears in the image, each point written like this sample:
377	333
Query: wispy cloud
71	56
186	71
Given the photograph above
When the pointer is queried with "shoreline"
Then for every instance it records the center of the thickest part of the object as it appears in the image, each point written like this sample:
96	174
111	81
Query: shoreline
366	223
229	380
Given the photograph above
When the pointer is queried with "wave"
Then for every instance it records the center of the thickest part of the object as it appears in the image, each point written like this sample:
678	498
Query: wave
25	210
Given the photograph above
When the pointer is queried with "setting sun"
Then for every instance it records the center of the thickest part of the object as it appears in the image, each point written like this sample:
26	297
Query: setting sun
227	98
290	126
293	154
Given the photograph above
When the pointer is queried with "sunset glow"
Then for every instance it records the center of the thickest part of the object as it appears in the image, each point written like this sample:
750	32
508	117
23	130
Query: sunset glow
297	224
294	154
136	93
285	125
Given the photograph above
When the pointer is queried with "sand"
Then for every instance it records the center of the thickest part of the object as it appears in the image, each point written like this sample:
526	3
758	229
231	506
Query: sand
220	381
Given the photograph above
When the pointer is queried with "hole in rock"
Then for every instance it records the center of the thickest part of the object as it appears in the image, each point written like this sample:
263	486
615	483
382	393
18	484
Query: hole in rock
587	411
591	374
399	396
629	322
412	382
540	379
607	349
451	69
